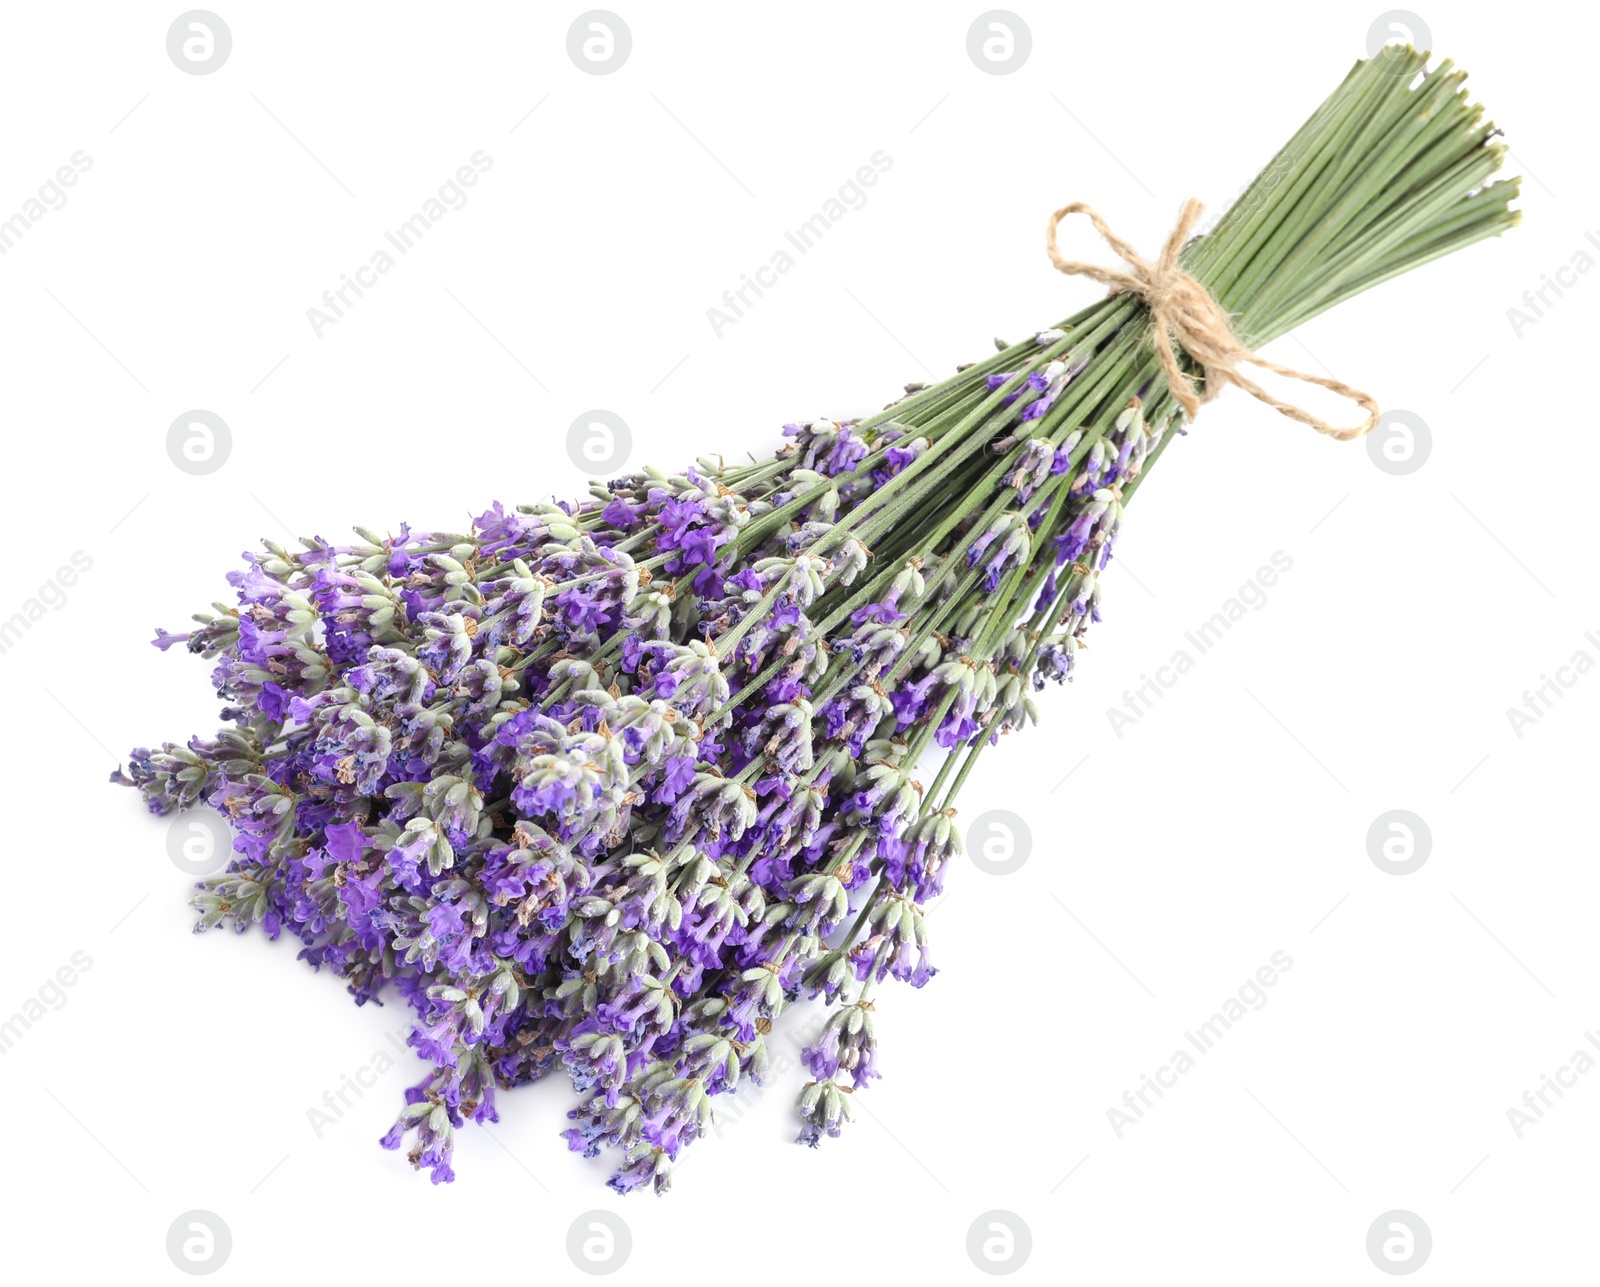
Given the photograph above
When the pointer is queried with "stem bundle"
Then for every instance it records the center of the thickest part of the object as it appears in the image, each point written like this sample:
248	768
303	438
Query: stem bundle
605	787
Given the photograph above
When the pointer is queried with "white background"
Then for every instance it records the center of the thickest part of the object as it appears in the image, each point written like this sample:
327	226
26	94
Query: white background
1227	824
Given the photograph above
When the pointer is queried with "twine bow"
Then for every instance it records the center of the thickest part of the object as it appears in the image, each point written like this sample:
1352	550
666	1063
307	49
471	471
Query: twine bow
1184	313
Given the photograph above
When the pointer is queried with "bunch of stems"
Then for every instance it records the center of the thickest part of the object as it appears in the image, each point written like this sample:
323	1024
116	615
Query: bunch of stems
607	786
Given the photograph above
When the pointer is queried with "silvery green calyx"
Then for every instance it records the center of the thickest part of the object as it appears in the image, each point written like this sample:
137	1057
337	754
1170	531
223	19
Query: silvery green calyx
602	788
824	1109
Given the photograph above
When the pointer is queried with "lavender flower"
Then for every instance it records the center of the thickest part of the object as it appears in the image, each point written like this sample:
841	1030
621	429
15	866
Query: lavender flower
601	788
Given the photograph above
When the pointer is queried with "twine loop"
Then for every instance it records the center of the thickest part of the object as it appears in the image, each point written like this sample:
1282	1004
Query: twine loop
1185	315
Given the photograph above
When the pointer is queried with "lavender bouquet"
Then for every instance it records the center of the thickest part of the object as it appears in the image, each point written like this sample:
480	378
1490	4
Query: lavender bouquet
603	787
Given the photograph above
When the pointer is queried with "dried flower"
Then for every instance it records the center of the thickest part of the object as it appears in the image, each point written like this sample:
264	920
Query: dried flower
605	786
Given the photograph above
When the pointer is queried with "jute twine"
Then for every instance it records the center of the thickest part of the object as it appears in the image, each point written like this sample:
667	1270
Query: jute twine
1184	314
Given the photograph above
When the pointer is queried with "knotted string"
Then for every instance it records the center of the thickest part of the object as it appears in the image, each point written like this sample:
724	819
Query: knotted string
1183	313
